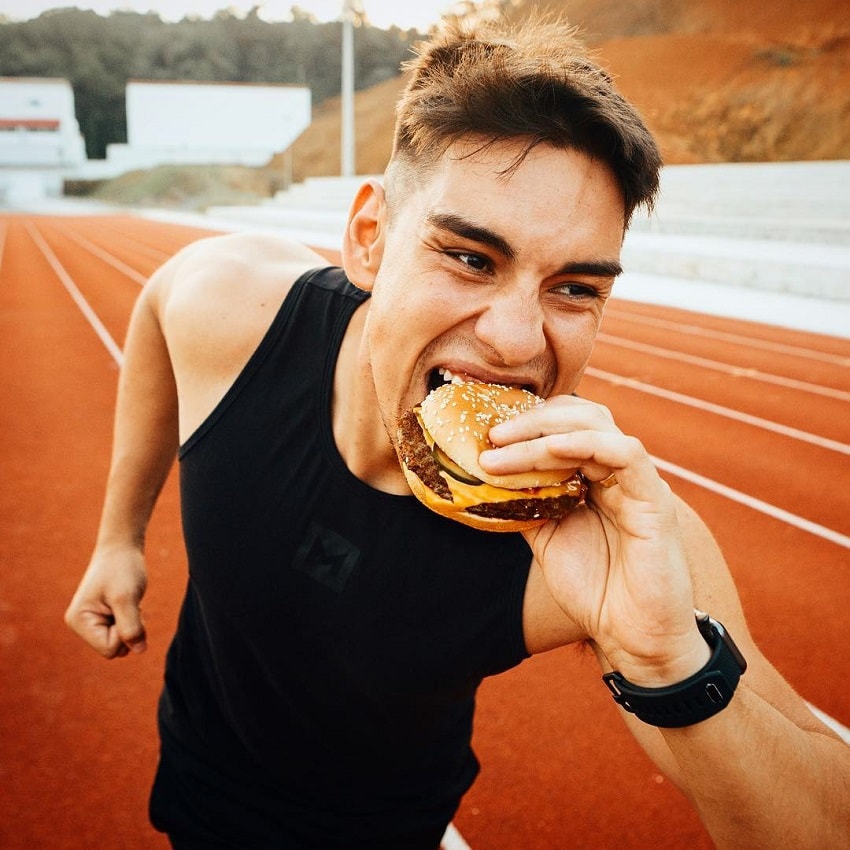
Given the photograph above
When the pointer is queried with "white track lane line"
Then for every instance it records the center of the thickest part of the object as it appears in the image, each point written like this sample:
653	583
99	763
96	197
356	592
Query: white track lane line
107	258
756	504
717	366
726	336
453	840
720	410
85	308
839	728
160	255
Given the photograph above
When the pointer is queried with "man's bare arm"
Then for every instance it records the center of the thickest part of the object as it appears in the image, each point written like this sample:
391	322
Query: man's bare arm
193	328
764	772
105	611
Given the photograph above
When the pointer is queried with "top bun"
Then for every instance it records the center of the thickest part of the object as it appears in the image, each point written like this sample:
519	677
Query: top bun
459	418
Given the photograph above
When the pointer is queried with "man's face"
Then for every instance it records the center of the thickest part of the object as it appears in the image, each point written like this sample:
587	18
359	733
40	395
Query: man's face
494	277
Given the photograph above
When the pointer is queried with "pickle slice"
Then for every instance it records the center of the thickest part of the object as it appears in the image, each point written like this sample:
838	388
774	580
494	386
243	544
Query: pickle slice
448	465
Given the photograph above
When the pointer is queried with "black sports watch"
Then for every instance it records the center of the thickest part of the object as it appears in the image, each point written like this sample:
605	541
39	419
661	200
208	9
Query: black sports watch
696	698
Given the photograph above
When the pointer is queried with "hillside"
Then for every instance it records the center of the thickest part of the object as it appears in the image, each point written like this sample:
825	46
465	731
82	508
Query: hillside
716	80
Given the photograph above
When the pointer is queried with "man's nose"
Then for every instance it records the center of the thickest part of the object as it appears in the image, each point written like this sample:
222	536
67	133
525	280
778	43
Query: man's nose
512	326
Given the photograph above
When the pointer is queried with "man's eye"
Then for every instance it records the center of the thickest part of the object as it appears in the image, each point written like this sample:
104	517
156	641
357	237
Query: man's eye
474	261
577	290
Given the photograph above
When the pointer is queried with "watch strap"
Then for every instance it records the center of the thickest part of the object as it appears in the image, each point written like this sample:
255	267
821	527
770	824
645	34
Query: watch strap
692	700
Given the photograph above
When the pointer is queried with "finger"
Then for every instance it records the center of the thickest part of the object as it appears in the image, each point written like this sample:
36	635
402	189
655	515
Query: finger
610	480
596	454
128	625
558	415
97	628
594	450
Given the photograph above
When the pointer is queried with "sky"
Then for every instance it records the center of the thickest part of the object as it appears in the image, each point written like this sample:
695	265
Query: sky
381	13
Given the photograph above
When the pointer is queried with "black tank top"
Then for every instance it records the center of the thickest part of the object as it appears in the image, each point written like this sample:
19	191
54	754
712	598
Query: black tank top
332	636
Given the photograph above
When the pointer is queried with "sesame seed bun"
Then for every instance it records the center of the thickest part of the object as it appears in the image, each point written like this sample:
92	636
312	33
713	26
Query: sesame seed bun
459	417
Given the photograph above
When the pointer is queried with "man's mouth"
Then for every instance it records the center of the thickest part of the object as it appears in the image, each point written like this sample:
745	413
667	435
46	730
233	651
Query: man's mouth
440	376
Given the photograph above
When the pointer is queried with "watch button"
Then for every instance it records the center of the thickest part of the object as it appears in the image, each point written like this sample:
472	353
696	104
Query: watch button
714	693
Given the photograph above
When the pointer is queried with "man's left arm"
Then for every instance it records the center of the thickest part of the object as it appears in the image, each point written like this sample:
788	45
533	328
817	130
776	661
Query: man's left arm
764	772
627	571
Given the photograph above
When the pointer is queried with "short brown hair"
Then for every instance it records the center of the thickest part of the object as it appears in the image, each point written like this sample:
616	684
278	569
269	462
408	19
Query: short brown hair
535	81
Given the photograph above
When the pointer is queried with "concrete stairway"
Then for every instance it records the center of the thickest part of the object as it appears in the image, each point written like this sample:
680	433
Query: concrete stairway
782	227
314	211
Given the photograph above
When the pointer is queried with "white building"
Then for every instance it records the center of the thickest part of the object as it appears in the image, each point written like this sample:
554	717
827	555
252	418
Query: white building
39	136
206	124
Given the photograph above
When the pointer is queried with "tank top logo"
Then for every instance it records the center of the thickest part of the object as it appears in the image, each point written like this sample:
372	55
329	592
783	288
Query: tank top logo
326	556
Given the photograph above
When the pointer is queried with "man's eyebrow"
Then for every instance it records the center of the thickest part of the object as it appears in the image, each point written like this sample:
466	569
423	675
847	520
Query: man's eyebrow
466	229
594	268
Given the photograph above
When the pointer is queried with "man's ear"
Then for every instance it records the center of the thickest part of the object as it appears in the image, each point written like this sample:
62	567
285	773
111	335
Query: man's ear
363	243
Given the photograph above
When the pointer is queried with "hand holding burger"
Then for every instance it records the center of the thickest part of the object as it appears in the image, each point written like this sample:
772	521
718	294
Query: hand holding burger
439	443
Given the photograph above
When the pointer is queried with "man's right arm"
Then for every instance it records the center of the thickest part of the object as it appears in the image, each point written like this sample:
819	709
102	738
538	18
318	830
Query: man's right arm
105	609
195	325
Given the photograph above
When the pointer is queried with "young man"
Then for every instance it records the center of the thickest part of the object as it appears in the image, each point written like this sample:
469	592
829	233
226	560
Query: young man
319	690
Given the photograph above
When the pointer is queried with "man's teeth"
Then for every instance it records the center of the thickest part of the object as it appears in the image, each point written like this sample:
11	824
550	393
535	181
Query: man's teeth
449	378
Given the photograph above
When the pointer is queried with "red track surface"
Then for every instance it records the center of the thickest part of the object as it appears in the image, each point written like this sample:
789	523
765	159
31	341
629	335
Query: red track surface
78	744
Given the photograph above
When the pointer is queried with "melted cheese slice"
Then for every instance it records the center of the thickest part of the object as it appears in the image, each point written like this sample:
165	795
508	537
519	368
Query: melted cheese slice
466	495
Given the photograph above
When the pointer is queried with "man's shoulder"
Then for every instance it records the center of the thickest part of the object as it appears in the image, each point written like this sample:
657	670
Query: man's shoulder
216	271
217	297
269	243
247	256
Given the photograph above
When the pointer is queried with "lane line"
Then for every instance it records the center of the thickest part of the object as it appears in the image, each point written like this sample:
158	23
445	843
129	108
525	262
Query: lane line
720	410
837	727
717	366
107	258
756	504
453	840
726	336
134	244
85	308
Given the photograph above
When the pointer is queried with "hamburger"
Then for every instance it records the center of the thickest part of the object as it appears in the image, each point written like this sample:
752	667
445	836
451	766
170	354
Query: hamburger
439	442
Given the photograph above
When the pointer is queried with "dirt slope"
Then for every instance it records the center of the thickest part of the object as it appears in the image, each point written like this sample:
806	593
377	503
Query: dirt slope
717	80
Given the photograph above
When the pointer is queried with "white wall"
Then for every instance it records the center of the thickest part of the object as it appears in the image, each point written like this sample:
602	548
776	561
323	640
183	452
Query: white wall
207	122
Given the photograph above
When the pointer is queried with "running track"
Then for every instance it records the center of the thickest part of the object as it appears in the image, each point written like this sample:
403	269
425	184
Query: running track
749	423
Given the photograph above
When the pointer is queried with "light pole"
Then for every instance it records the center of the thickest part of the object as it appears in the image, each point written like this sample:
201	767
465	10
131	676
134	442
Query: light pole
349	9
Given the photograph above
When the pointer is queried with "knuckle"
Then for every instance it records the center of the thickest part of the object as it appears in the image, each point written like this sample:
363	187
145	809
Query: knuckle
605	413
128	632
634	449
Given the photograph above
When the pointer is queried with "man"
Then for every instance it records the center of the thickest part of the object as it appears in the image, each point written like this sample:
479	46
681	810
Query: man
319	690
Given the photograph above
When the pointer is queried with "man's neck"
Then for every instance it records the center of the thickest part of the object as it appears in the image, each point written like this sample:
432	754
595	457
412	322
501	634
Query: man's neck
359	433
